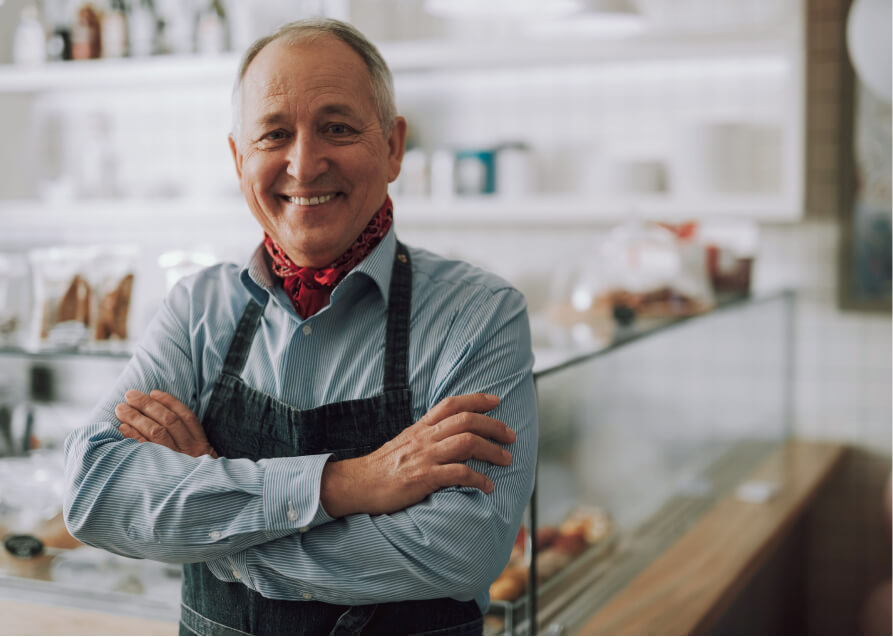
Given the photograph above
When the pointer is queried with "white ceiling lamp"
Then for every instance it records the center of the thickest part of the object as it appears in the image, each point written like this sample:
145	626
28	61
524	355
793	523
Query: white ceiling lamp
523	9
868	36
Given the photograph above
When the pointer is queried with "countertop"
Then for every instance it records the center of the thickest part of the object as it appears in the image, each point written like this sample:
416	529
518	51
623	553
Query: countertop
689	586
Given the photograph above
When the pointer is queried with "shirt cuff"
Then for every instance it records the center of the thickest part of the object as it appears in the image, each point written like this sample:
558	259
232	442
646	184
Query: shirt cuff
291	492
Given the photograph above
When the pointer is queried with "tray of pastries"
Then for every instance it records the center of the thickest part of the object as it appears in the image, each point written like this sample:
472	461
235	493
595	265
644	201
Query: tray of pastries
564	554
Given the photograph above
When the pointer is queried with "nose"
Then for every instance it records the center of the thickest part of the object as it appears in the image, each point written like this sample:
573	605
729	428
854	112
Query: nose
307	158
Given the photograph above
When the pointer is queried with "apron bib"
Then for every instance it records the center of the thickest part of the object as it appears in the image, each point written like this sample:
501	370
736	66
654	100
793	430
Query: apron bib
242	422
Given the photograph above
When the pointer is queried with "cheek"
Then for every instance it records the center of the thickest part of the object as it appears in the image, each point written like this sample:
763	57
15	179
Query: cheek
257	169
370	162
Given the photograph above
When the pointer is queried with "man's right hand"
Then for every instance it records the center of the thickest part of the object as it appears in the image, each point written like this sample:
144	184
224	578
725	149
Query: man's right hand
424	458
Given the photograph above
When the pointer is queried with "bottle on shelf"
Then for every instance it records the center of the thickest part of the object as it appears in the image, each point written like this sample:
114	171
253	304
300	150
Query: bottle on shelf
57	17
176	27
86	36
29	40
114	30
211	35
143	28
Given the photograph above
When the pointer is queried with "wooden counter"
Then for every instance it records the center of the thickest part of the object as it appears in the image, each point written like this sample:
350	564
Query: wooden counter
689	586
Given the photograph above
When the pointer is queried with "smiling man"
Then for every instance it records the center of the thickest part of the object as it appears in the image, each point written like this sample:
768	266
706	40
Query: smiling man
340	436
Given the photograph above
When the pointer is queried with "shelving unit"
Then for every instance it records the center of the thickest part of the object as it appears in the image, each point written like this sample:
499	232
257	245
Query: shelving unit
474	92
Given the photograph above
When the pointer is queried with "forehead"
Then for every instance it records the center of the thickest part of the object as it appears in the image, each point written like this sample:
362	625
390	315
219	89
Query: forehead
305	74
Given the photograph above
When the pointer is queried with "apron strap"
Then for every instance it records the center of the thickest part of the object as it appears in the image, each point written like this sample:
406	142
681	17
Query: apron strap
399	312
241	343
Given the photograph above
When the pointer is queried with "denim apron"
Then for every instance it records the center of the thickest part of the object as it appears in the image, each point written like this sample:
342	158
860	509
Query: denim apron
242	422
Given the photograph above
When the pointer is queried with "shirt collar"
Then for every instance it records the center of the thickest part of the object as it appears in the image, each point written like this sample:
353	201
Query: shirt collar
257	276
378	265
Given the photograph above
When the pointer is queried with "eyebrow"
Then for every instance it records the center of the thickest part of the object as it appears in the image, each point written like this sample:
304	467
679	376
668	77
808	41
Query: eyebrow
335	108
270	118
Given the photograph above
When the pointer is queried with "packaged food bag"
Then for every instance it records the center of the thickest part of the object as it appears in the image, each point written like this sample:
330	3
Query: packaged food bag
13	296
62	298
111	274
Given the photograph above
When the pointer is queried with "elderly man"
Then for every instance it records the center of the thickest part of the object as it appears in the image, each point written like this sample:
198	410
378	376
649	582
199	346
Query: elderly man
325	447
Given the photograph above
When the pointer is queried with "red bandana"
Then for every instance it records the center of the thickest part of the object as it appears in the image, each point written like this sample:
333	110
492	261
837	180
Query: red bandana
310	288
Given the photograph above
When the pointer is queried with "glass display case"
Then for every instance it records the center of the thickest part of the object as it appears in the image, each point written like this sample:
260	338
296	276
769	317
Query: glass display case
638	439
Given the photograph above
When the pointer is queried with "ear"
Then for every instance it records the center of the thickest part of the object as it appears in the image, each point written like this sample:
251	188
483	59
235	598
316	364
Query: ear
237	156
396	146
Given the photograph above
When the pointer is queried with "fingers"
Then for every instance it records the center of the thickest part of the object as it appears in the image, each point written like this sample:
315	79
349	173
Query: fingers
182	411
460	475
457	404
163	417
465	446
477	424
148	428
129	432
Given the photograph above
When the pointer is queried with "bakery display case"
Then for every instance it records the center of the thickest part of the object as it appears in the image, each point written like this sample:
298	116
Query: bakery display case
639	437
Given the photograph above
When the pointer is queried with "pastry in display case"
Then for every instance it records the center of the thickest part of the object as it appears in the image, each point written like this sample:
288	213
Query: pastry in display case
560	554
637	272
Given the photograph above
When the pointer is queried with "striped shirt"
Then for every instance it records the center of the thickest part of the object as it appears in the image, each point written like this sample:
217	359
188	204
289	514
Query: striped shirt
261	523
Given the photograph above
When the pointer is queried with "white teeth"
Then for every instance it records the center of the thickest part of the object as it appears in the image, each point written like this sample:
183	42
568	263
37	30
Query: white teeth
312	201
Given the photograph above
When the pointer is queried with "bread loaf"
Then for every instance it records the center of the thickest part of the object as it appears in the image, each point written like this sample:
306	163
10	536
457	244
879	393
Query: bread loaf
113	311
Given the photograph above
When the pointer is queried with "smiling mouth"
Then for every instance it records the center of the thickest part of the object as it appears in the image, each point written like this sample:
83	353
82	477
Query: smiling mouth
309	201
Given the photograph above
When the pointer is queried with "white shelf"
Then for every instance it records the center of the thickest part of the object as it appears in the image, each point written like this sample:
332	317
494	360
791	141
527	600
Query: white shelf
122	73
403	57
229	216
449	55
547	210
123	219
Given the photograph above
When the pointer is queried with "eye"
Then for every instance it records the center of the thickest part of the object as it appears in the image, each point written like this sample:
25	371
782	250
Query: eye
339	130
275	136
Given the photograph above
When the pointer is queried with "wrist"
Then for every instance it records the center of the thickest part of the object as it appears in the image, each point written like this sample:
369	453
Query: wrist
335	488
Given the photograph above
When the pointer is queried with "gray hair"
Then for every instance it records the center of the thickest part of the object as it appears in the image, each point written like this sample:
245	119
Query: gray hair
381	80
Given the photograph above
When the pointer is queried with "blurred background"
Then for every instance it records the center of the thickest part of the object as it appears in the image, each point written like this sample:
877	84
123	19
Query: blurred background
628	164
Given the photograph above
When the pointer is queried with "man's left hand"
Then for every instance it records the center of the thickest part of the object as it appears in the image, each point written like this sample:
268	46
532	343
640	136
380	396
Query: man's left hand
160	418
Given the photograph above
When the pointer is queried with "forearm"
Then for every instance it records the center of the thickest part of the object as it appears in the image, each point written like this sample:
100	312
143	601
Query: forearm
452	545
144	500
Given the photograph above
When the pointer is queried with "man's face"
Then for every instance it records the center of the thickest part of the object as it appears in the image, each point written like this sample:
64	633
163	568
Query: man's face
313	162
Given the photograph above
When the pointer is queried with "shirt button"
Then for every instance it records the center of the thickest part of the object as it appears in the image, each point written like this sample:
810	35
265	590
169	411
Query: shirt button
307	330
304	529
237	574
215	535
306	595
292	515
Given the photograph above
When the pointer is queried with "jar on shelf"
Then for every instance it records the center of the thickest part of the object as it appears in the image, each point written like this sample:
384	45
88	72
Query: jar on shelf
86	37
29	40
114	30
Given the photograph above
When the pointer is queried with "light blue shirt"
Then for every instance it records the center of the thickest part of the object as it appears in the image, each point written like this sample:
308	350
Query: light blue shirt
261	523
